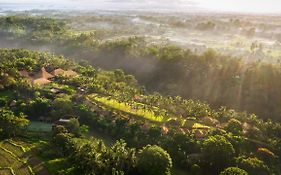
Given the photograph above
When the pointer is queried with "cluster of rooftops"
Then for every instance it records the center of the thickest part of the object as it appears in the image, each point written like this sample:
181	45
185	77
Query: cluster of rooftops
43	77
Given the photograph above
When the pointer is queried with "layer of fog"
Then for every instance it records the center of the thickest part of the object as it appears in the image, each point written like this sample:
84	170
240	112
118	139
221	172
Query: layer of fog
244	6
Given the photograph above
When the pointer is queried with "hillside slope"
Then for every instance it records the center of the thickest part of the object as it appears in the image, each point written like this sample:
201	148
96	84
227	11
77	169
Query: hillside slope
198	138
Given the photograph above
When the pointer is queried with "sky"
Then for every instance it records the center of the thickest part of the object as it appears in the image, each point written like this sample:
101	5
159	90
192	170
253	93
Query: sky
256	6
244	6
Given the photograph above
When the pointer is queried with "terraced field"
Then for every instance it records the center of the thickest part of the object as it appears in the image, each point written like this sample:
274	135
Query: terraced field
6	171
142	111
14	159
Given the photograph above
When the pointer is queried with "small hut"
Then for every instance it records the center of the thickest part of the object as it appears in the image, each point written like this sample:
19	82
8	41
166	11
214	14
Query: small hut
24	73
210	121
62	122
41	78
200	134
43	74
13	103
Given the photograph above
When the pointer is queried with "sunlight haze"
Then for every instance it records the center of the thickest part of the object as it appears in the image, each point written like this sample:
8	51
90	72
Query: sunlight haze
243	6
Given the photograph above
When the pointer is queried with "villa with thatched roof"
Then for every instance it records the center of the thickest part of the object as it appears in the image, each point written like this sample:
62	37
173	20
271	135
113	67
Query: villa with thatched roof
43	74
24	73
42	77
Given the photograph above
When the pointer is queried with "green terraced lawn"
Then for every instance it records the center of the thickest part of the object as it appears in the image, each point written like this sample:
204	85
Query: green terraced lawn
39	127
128	109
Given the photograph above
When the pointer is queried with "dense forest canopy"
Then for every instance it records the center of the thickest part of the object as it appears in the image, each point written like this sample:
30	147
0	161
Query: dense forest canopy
196	137
218	79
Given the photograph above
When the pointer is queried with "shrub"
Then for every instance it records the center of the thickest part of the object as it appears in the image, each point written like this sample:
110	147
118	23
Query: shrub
234	126
153	160
11	124
218	151
253	165
233	171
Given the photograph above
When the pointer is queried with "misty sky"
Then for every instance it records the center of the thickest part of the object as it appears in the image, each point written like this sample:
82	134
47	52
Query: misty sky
245	6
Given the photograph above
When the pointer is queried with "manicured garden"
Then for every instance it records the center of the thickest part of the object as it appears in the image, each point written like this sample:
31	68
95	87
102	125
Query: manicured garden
36	126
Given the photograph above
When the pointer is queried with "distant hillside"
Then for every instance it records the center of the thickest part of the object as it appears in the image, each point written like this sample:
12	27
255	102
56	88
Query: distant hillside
217	79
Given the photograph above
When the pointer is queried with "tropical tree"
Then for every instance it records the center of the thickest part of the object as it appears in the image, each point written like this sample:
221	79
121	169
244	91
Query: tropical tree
253	165
234	126
122	158
11	124
153	160
233	171
218	151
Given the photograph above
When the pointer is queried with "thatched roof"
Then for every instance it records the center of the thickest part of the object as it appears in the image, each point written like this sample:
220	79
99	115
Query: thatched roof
24	73
165	130
199	134
43	74
246	126
210	121
13	103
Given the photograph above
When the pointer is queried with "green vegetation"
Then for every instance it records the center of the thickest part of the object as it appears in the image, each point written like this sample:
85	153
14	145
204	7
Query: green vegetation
194	138
218	151
218	79
233	171
153	160
14	159
128	109
31	28
39	127
253	165
10	124
174	99
188	134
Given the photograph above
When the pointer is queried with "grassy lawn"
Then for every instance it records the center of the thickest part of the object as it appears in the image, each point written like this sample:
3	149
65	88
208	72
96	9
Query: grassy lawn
200	126
35	126
147	114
